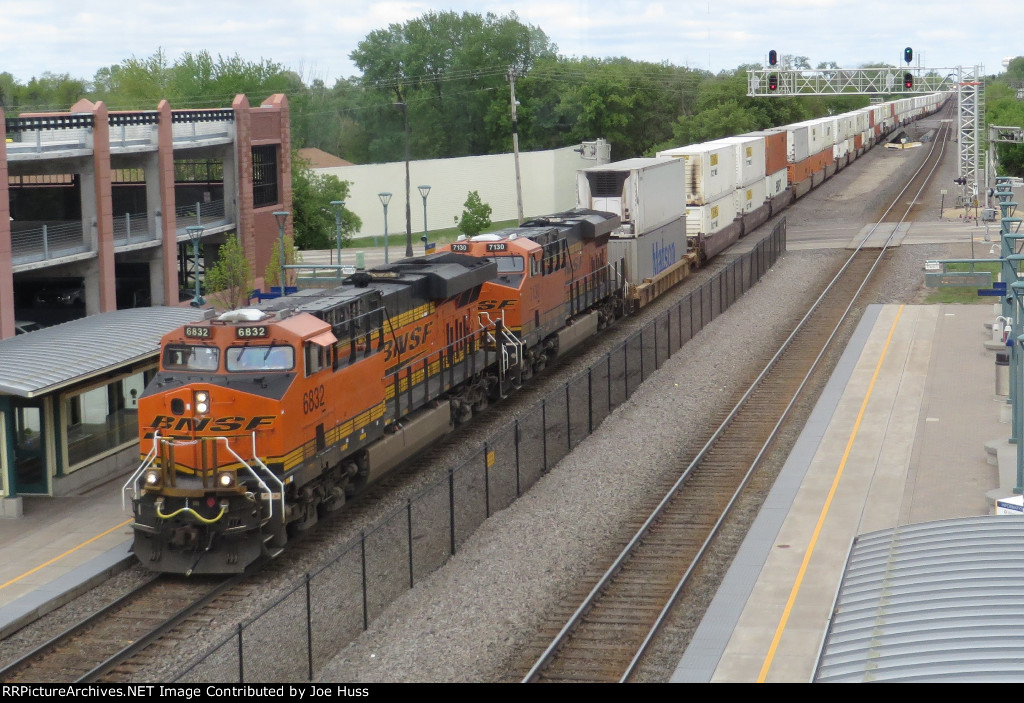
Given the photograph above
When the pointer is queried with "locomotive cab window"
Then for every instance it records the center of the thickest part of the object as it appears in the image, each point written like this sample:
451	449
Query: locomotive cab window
190	357
317	357
263	357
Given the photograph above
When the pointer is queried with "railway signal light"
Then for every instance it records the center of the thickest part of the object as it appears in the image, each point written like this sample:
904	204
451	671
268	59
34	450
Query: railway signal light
773	82
773	58
908	54
908	80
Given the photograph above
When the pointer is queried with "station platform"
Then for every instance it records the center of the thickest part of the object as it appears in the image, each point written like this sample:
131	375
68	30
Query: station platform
898	437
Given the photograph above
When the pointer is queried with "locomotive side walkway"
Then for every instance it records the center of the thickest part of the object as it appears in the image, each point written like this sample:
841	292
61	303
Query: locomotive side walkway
896	438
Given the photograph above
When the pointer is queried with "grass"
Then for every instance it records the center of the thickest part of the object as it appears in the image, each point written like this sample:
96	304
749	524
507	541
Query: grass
437	236
967	295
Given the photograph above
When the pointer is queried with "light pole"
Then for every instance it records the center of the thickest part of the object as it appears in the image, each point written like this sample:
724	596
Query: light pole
408	216
338	206
424	192
282	217
385	198
195	233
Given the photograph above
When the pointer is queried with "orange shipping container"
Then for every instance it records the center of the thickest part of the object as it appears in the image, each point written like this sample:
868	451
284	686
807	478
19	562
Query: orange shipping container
774	152
799	171
858	141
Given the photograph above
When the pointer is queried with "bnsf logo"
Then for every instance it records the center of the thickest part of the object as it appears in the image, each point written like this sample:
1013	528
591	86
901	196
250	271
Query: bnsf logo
400	344
496	304
229	423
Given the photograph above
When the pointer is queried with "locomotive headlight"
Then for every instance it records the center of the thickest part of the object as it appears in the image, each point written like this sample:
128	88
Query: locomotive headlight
152	478
202	402
226	479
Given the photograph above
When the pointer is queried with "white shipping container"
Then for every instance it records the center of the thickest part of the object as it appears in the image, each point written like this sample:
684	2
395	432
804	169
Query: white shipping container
749	158
751	197
709	218
797	148
776	183
710	171
840	149
649	254
643	192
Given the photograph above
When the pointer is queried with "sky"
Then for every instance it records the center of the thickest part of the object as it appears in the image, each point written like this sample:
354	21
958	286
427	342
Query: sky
315	37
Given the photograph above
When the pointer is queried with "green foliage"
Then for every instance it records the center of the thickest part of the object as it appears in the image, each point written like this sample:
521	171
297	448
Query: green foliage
476	217
272	274
314	222
1002	108
229	280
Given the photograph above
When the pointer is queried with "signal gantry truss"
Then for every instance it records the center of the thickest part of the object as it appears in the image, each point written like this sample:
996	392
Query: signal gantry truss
968	83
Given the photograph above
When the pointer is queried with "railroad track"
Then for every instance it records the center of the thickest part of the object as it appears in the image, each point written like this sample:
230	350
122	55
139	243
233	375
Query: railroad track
607	634
99	643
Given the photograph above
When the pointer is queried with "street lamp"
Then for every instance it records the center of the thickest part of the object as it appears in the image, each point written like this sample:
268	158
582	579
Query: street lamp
385	198
338	206
282	217
424	192
195	233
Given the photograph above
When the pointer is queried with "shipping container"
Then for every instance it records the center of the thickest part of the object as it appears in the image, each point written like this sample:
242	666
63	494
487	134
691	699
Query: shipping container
647	255
797	145
643	192
749	153
774	148
710	171
712	217
776	183
751	197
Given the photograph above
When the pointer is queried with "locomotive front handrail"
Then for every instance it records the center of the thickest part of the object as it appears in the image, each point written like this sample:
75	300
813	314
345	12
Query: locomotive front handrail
147	461
264	467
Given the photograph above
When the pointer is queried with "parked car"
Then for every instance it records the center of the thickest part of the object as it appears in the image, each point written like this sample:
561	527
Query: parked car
61	295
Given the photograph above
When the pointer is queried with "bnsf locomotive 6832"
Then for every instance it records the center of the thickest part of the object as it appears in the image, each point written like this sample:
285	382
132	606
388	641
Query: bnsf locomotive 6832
262	418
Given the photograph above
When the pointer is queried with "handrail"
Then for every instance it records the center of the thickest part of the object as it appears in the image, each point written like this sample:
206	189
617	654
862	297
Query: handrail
147	461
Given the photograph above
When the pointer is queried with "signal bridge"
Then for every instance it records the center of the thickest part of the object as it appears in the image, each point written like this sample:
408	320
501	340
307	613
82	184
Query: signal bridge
968	83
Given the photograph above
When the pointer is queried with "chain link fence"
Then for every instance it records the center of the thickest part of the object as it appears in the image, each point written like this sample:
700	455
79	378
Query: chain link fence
297	635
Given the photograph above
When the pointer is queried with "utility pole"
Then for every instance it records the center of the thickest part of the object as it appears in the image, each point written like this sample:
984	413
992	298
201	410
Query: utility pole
515	143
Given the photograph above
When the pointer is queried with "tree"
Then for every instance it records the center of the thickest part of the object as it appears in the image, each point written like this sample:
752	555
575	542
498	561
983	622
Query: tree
476	217
229	280
272	274
313	216
449	68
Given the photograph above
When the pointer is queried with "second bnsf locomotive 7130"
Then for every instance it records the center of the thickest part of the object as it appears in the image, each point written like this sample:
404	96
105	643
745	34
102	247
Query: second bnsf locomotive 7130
260	419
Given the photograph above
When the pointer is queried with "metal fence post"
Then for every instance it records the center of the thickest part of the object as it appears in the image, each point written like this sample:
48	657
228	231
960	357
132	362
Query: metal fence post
568	420
241	665
309	629
590	400
544	431
362	557
408	510
487	484
451	510
519	491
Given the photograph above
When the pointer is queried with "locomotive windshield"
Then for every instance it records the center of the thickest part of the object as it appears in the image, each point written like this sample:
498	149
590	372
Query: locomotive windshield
508	264
266	357
191	357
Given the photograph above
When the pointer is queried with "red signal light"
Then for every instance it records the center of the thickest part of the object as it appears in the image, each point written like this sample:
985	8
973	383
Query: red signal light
908	80
773	58
773	82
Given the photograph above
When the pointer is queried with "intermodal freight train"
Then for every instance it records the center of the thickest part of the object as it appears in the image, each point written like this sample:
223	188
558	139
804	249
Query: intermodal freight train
260	420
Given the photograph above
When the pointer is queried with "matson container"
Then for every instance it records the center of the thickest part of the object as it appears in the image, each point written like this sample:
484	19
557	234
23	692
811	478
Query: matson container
751	197
649	254
749	157
776	183
710	171
716	215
